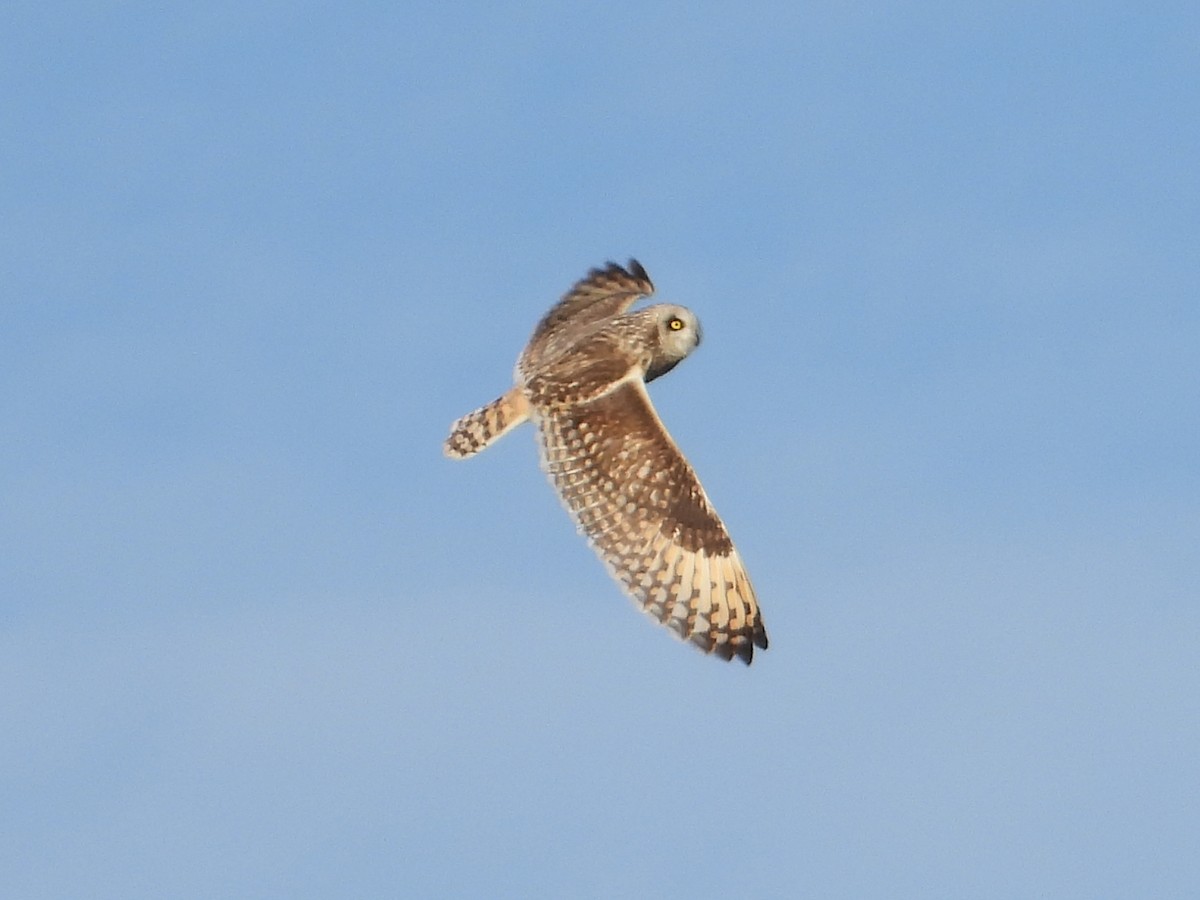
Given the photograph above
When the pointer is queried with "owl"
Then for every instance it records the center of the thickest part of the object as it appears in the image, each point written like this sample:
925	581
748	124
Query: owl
581	381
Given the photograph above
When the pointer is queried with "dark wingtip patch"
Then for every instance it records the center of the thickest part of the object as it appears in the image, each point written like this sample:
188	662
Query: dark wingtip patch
743	644
631	271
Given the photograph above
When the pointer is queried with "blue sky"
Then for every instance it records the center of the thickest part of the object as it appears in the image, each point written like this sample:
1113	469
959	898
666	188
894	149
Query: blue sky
259	639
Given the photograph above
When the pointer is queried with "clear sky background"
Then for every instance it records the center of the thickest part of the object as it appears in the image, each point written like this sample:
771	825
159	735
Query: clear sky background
258	638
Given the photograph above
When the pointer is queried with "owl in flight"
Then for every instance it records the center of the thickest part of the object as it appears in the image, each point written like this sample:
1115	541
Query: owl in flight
582	380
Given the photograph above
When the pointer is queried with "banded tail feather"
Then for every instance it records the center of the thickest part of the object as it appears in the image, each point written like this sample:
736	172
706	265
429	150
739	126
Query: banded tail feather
476	430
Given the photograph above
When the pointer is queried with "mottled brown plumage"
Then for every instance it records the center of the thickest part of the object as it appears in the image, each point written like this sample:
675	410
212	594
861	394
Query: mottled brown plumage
582	381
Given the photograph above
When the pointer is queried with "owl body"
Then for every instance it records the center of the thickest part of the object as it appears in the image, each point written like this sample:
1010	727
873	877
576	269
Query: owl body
636	345
581	381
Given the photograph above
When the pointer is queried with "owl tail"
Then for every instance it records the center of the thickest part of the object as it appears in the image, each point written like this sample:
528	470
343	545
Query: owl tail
474	431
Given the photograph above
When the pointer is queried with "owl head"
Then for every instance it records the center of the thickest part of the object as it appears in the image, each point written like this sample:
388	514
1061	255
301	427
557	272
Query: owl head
677	333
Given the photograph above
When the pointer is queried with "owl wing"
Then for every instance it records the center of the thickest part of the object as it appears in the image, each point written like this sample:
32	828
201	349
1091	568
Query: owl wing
639	503
600	295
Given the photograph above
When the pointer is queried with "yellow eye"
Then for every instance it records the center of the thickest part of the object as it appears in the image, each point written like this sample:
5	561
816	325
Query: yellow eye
675	323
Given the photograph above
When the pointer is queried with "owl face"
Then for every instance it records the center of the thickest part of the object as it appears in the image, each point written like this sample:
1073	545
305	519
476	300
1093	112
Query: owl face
678	330
678	333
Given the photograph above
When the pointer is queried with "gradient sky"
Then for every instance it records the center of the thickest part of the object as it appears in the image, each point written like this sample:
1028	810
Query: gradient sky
258	638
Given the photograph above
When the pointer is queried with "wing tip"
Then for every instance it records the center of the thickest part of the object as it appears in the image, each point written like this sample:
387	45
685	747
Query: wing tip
632	271
738	645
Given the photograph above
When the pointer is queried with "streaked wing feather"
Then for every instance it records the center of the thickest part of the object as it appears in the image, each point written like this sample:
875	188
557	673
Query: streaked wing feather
597	297
639	503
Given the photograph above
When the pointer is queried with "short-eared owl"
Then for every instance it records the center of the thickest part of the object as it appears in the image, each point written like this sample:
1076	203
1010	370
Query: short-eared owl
582	382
